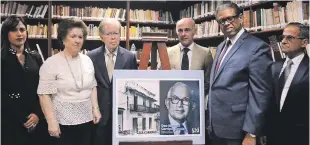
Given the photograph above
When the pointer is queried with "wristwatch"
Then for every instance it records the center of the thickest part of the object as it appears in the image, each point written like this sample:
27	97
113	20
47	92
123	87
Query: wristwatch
252	135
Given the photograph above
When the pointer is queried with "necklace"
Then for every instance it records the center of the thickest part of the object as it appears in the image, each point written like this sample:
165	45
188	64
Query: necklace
76	84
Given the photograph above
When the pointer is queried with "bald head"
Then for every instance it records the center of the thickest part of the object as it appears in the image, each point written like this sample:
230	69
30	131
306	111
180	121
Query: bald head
186	21
185	29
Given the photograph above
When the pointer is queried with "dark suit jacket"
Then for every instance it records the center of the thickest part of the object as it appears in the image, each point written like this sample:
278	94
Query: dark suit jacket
124	60
291	125
240	90
169	131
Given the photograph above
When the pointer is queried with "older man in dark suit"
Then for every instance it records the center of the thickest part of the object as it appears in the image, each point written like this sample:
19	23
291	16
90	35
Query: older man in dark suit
288	121
179	106
105	59
240	82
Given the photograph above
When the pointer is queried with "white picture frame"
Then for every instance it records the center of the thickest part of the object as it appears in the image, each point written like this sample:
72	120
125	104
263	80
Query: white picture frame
140	110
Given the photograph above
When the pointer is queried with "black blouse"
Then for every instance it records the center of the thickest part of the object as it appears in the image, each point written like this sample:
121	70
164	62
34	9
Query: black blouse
19	87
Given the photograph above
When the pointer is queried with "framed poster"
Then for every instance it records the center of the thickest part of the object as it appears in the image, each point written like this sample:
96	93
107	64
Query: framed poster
158	105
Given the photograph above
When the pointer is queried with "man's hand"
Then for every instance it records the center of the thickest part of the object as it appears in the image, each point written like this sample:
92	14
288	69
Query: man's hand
248	140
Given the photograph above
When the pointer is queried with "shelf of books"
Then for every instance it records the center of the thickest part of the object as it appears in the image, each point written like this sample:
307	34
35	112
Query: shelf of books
260	20
258	17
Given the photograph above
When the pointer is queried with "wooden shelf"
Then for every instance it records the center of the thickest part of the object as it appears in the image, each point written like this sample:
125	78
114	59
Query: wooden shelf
27	18
210	37
160	23
211	15
267	31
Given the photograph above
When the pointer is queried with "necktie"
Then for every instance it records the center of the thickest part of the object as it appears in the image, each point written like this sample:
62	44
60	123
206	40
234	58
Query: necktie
185	62
110	65
218	63
283	79
287	69
182	129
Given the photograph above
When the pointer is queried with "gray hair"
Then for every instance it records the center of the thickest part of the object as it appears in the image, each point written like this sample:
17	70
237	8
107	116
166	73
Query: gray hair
176	85
227	5
108	20
304	30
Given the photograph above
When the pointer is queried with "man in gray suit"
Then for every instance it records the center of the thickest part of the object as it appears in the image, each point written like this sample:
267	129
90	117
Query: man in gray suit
240	82
105	59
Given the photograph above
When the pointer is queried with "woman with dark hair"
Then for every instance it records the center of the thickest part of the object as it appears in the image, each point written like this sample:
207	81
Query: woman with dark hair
20	108
67	88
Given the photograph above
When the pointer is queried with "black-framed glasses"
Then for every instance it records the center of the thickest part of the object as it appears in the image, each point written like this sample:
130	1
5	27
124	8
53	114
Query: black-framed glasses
176	100
288	37
228	19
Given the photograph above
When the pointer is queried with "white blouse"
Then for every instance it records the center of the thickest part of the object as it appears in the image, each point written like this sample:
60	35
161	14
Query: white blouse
71	105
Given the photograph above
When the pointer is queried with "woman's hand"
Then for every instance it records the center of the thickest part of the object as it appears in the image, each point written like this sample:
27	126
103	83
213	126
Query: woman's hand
53	129
96	115
32	121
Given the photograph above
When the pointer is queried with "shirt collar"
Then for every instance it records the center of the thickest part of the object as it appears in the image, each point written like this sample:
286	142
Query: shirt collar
236	37
296	60
174	124
107	51
13	51
190	47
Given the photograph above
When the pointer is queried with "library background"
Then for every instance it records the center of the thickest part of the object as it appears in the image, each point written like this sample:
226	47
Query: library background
264	19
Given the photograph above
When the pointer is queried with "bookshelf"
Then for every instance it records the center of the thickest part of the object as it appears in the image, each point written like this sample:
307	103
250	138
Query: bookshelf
150	16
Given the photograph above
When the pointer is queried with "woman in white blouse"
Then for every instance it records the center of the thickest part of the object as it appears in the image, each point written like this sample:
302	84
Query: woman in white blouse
67	88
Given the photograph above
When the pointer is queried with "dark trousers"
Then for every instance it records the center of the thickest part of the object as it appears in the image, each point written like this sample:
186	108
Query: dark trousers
42	137
16	134
102	134
75	134
215	140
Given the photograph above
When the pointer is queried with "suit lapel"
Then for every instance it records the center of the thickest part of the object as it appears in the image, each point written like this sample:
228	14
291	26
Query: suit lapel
119	59
177	57
231	52
195	62
279	82
102	65
217	54
301	70
300	73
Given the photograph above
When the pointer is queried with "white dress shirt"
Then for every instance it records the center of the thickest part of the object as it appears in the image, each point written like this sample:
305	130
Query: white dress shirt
233	41
174	125
296	61
189	54
107	56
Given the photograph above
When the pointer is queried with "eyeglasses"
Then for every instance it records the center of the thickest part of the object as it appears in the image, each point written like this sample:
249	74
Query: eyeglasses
112	34
228	19
176	100
288	37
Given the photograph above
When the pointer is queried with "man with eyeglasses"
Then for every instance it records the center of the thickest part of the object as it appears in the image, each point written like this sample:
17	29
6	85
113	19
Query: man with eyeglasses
288	121
179	106
106	58
240	82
